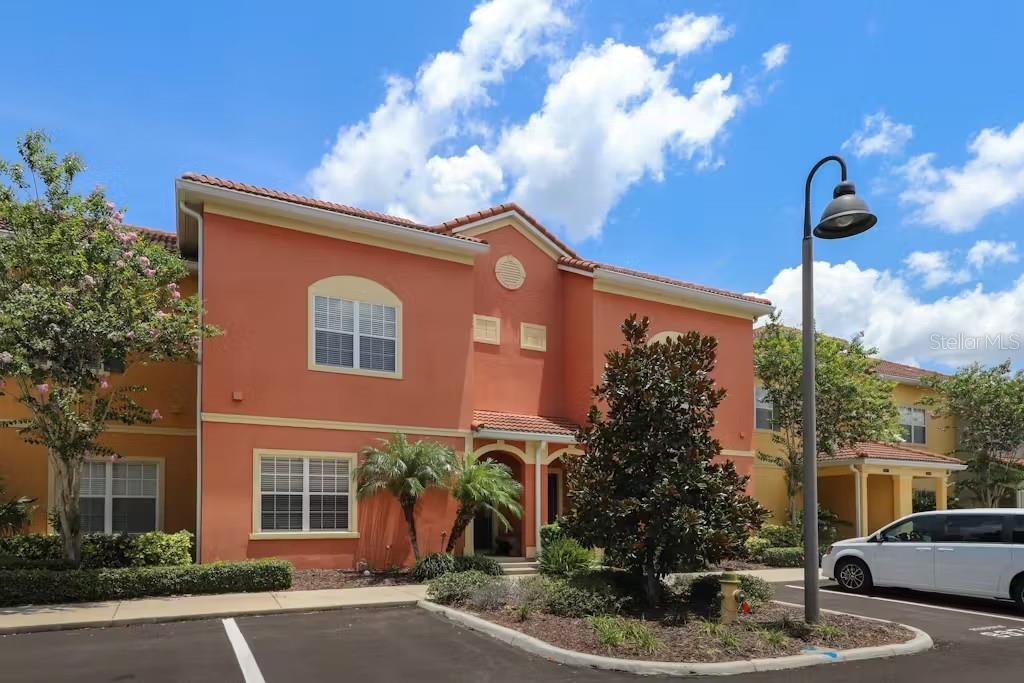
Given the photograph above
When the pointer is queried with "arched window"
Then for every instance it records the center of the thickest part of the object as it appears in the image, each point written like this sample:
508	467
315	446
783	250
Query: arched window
662	336
355	326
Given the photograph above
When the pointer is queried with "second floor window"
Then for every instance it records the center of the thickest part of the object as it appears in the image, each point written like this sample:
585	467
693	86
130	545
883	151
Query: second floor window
914	422
355	334
764	411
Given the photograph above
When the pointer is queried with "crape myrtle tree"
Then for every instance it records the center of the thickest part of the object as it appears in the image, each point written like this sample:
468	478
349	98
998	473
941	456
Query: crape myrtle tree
988	407
646	486
854	404
82	295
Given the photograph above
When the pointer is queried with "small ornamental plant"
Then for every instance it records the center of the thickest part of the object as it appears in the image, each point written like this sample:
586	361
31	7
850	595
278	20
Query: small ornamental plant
83	296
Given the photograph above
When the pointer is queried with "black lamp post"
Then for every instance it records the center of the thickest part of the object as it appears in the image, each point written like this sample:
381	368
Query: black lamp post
845	216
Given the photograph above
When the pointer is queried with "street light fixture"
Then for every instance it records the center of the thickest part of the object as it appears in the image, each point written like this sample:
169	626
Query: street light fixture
845	216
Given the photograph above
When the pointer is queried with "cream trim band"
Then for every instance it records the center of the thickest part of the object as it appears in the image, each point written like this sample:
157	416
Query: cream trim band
147	429
303	423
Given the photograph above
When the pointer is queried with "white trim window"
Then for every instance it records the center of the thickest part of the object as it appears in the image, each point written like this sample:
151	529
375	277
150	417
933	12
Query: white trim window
355	334
914	422
764	410
305	494
120	497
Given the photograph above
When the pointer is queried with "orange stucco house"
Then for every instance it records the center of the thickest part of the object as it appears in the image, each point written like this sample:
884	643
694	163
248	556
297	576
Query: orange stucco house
342	327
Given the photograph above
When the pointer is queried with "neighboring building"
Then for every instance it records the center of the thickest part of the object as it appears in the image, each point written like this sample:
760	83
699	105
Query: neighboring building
873	483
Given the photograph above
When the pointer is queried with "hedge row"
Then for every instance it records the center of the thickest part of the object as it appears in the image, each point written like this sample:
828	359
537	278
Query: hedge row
153	549
42	586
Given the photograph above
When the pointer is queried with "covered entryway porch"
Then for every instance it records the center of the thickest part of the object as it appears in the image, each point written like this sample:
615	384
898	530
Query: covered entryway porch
533	448
872	484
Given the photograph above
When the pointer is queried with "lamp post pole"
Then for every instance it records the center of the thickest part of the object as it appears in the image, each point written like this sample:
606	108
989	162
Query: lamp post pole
846	215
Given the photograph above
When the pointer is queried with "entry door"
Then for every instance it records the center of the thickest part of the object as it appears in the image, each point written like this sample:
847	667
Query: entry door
483	531
554	496
972	555
906	555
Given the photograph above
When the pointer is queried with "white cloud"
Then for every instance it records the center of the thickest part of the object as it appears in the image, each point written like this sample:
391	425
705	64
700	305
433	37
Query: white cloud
879	135
987	251
387	160
607	122
775	56
934	269
971	325
957	199
687	33
611	117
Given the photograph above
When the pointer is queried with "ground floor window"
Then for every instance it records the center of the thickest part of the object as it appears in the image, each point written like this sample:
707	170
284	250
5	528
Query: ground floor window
300	493
119	497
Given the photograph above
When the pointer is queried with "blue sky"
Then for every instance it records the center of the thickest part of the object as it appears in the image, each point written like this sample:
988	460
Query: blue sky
586	113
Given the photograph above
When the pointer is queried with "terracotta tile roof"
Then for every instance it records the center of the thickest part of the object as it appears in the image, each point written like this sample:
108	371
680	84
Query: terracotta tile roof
890	369
583	264
313	203
167	239
453	224
511	422
892	451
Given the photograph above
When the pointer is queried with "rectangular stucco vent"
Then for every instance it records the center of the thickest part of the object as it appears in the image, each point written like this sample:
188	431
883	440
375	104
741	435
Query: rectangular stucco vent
533	337
486	329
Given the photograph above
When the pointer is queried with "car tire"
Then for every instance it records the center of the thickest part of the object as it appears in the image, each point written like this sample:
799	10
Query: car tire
1017	592
853	576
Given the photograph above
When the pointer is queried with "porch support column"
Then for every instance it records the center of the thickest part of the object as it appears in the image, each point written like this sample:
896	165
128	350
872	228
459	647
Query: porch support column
857	485
468	547
941	492
863	476
902	495
539	454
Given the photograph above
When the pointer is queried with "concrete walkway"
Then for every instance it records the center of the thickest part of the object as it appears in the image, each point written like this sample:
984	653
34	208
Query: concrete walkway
32	618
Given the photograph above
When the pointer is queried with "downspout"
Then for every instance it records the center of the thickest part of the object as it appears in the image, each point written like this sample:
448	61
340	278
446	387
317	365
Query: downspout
199	380
856	492
539	454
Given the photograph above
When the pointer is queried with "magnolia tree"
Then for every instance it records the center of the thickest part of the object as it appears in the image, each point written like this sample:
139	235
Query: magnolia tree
648	487
81	295
988	406
853	403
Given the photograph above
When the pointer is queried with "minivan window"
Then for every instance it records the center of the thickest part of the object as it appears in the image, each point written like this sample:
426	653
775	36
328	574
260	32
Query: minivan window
973	529
1017	527
915	530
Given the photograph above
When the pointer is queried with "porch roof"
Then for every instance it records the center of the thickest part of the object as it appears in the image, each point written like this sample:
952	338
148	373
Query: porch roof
893	453
528	427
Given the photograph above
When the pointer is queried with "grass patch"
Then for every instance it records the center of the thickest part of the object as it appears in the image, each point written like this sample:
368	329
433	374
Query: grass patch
616	632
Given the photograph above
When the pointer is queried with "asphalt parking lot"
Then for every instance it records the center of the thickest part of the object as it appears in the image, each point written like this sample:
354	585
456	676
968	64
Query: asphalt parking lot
975	640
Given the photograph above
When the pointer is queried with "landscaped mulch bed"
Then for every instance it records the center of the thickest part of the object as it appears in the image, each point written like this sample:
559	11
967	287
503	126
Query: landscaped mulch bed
697	641
319	579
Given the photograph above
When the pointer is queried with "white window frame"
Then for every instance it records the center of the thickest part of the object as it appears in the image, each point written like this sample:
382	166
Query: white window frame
924	415
305	532
483	338
761	402
357	290
540	331
108	491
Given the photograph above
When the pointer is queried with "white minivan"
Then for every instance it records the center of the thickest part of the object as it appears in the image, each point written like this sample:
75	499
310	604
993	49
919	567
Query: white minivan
979	553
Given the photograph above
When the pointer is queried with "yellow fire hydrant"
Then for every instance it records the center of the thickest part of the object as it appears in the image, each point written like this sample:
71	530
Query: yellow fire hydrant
732	597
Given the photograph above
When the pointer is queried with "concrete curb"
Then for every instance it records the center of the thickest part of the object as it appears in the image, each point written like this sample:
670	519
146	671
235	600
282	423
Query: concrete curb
919	643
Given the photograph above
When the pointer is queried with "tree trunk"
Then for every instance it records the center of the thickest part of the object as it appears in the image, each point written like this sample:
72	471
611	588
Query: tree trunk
462	519
409	511
652	584
66	484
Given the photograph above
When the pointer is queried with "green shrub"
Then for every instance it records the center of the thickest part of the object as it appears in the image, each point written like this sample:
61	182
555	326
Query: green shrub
564	557
110	551
700	594
567	598
432	566
9	562
781	536
456	588
784	557
487	565
755	547
549	533
491	596
43	586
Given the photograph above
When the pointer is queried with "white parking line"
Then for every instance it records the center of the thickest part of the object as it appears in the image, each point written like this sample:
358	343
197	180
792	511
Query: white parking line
250	670
921	604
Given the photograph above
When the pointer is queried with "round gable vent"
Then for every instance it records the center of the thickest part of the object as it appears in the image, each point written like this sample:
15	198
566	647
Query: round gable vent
510	272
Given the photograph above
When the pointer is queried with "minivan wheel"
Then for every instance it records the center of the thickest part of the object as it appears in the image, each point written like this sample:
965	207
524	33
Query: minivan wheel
853	576
1017	592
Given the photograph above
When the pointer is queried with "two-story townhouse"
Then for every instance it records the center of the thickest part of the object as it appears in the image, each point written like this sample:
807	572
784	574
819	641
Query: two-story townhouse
344	326
870	484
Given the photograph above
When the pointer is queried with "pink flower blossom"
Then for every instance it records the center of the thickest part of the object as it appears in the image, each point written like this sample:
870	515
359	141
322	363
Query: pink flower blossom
88	281
3	383
149	272
115	457
120	263
155	415
117	216
104	384
143	261
6	357
175	294
129	254
110	205
43	388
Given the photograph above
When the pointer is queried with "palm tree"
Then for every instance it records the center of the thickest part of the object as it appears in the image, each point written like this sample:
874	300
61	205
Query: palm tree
405	470
482	485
